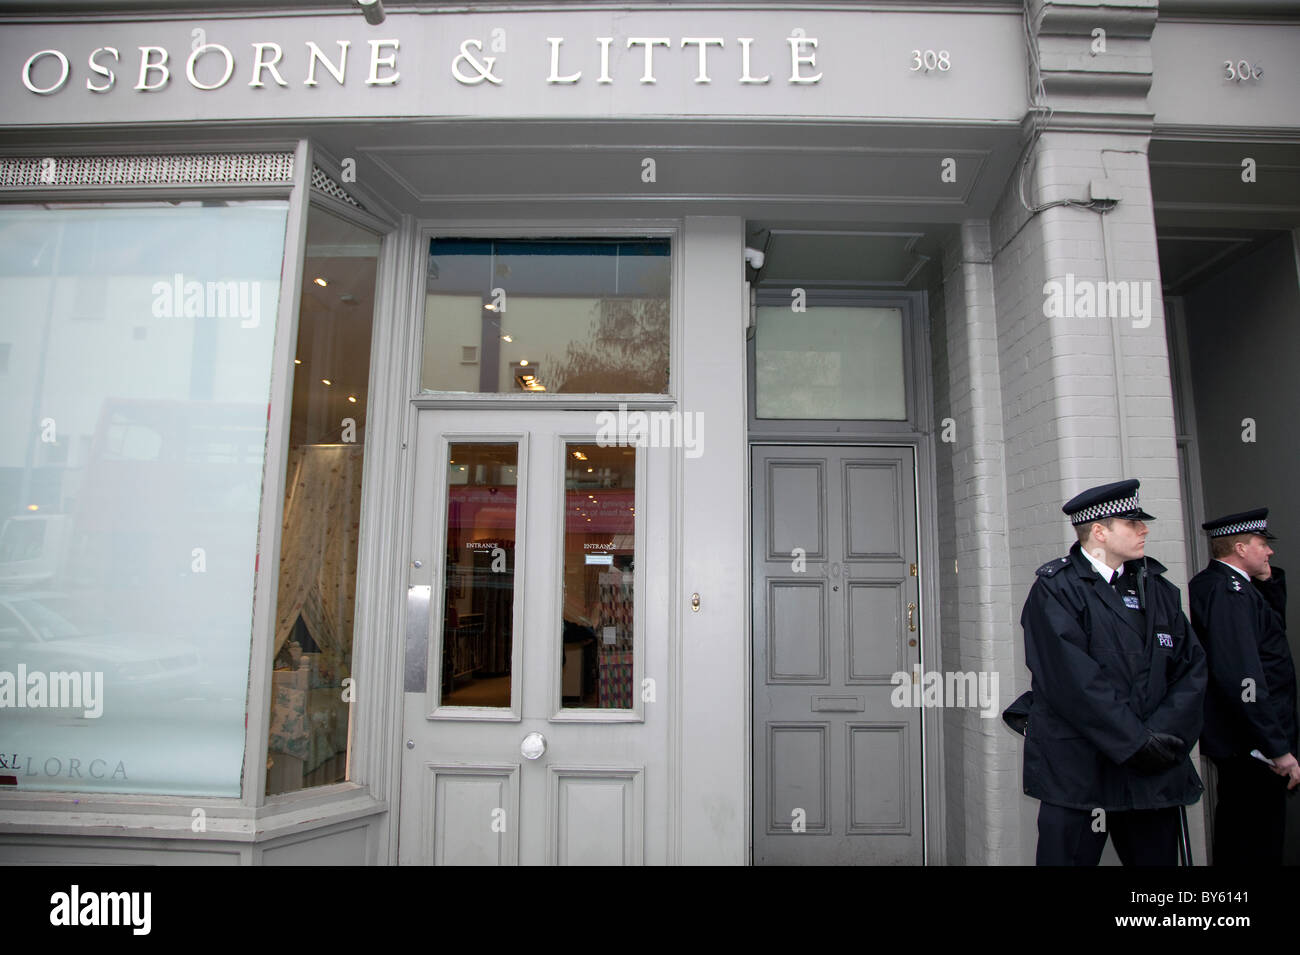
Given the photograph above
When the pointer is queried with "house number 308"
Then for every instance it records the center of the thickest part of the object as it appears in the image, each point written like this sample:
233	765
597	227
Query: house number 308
1241	71
930	60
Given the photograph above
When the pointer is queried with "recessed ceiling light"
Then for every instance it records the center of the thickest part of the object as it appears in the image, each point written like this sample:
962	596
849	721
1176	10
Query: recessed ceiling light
320	281
352	398
326	381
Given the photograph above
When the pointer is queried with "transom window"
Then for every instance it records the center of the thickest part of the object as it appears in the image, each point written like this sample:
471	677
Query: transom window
547	315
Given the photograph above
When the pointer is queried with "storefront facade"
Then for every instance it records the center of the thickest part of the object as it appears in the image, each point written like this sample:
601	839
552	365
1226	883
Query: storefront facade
644	389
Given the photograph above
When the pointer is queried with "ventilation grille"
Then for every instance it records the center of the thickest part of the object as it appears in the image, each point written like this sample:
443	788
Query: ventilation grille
190	168
321	182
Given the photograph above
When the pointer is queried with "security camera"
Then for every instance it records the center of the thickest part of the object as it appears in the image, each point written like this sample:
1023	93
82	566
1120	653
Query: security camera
374	11
754	258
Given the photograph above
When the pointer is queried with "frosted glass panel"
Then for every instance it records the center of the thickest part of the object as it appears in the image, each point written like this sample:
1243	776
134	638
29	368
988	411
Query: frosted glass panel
830	362
138	342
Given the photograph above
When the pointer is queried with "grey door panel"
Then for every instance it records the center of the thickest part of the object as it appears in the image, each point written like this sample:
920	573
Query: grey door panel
837	768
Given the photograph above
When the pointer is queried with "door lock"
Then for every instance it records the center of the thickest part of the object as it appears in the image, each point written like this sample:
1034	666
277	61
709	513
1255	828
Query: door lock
695	603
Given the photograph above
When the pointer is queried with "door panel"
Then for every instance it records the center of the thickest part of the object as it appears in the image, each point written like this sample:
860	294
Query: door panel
514	600
837	768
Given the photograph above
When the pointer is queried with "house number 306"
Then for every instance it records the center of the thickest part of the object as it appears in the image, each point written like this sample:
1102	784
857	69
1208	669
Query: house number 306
1241	71
930	60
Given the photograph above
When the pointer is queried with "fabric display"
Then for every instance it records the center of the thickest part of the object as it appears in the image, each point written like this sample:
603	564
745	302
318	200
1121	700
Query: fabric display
614	656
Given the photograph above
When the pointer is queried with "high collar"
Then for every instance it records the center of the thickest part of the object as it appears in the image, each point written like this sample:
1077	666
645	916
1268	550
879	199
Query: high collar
1228	567
1085	567
1106	572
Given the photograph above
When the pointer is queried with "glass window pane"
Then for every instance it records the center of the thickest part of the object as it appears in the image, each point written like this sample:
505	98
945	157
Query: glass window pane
308	737
837	363
479	591
516	316
139	339
599	558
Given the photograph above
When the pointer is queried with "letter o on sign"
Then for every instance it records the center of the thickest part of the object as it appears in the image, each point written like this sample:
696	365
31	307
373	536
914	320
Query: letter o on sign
63	74
194	58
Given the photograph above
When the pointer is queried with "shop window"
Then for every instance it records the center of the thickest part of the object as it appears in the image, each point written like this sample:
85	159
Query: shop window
547	316
127	558
311	687
830	363
599	563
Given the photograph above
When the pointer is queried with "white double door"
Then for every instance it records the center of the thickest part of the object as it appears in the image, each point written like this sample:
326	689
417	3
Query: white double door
536	692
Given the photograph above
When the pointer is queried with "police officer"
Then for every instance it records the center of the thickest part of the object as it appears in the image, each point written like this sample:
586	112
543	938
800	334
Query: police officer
1238	610
1117	692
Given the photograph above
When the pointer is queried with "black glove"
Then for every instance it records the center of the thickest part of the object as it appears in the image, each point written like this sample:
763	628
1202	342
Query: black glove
1161	752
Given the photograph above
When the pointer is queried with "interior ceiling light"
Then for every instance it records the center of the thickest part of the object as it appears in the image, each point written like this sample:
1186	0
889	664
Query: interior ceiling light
326	381
374	11
507	338
352	398
490	307
297	361
523	362
320	281
579	455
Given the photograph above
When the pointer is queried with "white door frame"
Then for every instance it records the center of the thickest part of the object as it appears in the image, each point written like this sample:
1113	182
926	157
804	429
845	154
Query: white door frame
418	234
917	433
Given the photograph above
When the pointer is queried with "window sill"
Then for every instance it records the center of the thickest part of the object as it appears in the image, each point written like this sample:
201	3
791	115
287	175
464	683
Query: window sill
173	817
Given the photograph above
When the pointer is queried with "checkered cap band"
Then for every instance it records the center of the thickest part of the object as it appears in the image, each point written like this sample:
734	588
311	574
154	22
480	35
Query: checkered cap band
1245	527
1105	509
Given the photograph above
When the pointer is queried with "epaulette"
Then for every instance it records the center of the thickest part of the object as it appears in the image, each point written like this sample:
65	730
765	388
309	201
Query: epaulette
1052	566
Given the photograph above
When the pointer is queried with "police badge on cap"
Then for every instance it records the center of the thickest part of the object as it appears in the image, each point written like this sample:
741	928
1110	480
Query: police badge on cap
1247	522
1109	500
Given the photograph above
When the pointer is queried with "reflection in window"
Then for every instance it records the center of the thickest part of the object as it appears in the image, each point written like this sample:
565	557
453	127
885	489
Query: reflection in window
599	552
140	337
310	703
479	591
547	315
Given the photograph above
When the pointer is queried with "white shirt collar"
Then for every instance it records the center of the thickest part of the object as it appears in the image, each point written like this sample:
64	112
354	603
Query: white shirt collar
1237	569
1107	572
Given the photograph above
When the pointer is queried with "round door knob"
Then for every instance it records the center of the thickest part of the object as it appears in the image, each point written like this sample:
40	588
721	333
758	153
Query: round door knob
533	746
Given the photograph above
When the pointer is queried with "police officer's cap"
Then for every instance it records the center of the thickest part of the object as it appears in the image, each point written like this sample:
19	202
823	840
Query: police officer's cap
1119	499
1247	522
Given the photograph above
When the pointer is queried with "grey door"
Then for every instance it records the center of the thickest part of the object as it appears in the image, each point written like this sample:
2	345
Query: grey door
837	767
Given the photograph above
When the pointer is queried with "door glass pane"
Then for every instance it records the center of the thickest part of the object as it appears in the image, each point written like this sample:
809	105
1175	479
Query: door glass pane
520	316
837	363
599	553
479	590
307	743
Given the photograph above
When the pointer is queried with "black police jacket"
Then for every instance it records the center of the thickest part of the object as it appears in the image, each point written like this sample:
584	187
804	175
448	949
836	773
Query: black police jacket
1244	639
1103	676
